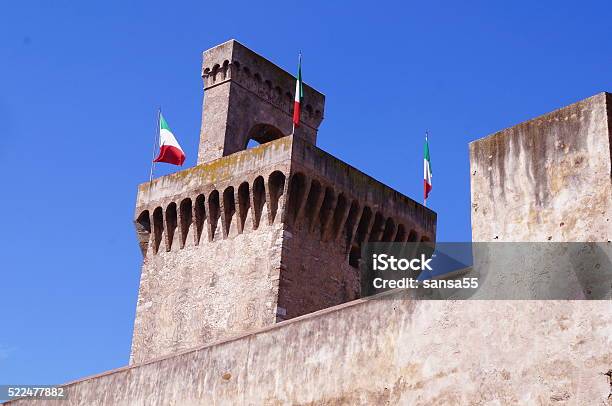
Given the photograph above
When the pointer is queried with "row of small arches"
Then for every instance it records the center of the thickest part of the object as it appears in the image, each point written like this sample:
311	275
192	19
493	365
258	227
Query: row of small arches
256	84
311	206
318	208
212	216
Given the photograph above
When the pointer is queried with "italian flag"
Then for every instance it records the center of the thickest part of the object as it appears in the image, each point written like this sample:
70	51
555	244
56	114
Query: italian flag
299	95
426	170
169	149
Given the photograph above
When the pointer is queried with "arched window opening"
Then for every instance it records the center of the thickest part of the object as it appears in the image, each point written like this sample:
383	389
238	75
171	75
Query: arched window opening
171	223
364	225
143	229
215	71
224	70
214	212
268	89
297	192
278	95
339	215
401	237
329	201
412	237
229	209
185	217
200	216
401	233
308	110
354	256
389	232
251	143
312	203
244	204
158	228
262	133
351	221
259	199
276	184
258	85
377	227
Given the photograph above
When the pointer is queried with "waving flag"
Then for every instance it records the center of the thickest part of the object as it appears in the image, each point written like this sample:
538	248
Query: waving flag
299	95
169	149
426	170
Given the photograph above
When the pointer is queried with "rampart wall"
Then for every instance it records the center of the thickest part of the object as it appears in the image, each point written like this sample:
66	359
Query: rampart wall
384	351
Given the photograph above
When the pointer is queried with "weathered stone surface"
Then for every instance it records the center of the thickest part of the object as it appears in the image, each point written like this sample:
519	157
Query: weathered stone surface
376	352
547	179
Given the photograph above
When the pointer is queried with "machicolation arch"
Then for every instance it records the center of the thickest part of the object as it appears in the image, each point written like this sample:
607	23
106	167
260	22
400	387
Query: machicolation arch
306	203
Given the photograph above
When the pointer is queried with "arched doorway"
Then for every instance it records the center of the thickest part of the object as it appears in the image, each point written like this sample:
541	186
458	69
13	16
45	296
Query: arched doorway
262	133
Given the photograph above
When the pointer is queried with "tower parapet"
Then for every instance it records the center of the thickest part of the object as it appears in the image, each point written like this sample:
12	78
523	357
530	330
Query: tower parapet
258	236
248	97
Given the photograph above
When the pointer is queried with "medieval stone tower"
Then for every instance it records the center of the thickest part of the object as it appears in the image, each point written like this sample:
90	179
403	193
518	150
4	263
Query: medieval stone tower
249	237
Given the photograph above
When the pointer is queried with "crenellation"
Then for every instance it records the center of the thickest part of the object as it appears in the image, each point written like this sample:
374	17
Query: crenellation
264	88
261	106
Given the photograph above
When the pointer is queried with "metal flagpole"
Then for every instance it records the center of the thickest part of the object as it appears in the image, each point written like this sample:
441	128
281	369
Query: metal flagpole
155	143
424	174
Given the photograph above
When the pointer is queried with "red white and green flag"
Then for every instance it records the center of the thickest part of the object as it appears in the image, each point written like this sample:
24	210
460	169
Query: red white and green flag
169	149
426	170
299	95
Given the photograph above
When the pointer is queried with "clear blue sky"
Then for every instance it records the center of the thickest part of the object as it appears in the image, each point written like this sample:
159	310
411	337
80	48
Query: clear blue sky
81	81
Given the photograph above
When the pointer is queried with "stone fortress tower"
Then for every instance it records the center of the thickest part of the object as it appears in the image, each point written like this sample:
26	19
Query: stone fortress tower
250	256
248	238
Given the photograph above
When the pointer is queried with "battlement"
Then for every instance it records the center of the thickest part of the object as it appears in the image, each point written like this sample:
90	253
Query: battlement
247	97
232	195
232	61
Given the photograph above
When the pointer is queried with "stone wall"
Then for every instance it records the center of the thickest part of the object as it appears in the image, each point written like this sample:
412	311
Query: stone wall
547	179
385	351
205	292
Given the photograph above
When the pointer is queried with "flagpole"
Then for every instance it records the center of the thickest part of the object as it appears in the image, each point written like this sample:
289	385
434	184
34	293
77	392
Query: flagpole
424	193
155	142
